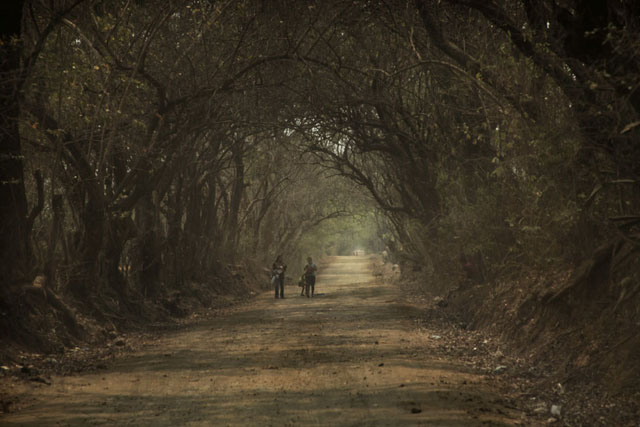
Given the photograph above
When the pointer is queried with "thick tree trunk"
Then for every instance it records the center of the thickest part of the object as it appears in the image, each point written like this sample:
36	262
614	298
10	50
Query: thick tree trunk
212	228
14	239
119	231
54	235
84	278
191	258
174	274
237	192
148	252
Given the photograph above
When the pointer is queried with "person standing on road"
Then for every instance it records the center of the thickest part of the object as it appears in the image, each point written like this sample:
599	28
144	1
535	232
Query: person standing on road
310	270
277	275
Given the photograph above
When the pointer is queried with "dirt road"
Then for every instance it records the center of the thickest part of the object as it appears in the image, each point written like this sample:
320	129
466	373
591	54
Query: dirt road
350	356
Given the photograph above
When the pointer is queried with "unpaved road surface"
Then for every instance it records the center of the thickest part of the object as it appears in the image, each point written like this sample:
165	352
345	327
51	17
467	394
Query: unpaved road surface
352	355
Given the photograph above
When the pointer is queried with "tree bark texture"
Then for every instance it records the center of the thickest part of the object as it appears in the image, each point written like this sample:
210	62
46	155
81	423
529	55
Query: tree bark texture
13	201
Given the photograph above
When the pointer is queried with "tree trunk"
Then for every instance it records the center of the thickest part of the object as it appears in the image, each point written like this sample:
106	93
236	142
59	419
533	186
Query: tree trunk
174	274
119	231
191	240
84	278
14	239
148	253
54	235
231	223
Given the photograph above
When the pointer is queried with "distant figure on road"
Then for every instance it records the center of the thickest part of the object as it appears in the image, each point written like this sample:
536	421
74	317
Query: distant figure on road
277	275
310	270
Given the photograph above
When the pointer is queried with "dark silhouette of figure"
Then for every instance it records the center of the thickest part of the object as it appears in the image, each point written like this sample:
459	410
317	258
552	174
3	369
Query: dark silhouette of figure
310	270
277	275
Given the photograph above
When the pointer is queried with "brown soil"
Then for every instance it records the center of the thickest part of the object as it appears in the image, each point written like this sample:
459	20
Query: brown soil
580	354
355	354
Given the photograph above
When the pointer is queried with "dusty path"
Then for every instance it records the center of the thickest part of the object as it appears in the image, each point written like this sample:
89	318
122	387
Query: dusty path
350	356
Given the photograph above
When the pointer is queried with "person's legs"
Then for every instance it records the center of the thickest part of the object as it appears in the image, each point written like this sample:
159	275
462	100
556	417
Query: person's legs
281	288
307	283
275	281
313	284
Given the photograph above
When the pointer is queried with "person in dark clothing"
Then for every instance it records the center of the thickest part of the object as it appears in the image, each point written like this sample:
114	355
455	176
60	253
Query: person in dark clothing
310	277
277	275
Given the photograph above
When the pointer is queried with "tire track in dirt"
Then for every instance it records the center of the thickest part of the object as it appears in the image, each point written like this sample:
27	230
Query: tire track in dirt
350	356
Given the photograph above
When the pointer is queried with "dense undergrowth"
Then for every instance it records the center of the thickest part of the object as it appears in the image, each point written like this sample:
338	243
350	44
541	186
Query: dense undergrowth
38	321
580	346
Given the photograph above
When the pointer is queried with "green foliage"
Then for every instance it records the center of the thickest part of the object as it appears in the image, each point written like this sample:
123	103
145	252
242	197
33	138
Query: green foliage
343	236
